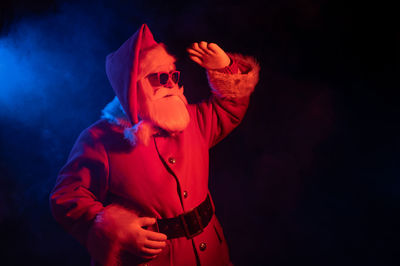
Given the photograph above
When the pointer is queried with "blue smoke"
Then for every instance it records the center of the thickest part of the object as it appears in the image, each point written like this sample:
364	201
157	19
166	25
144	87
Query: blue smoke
45	61
52	85
18	78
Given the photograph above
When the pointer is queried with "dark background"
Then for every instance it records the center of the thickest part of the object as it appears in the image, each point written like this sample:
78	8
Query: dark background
310	177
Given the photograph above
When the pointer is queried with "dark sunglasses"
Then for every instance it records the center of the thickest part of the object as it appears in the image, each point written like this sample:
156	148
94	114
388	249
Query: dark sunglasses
161	78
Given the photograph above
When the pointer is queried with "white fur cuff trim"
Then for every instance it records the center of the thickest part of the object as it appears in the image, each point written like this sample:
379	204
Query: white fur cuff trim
106	233
235	85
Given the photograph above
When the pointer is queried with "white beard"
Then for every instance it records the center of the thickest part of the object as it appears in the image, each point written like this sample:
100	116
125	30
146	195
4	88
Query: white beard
168	113
166	108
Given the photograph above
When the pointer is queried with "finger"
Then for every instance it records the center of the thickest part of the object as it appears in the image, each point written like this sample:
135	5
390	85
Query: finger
194	52
155	236
195	46
150	251
196	59
146	221
215	48
203	46
155	244
149	257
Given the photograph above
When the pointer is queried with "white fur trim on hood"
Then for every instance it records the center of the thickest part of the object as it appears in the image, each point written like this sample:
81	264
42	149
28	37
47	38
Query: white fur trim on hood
138	133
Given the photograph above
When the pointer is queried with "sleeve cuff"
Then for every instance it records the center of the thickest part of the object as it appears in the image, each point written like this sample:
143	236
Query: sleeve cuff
105	234
236	80
233	67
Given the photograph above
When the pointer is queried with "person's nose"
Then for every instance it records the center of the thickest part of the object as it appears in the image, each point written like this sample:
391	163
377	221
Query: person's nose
169	84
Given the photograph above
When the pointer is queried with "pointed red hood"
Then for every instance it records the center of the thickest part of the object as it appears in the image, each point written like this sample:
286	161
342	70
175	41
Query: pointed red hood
122	70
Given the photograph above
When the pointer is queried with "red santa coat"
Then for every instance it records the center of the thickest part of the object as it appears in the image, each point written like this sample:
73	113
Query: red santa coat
107	181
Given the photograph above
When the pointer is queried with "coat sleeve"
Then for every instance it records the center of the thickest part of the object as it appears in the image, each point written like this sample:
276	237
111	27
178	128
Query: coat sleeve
226	107
81	186
78	196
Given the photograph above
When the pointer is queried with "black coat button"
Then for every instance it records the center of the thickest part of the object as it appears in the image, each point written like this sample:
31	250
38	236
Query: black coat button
185	194
171	160
203	246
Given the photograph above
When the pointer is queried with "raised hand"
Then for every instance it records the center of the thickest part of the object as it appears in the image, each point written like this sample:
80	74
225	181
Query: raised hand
208	55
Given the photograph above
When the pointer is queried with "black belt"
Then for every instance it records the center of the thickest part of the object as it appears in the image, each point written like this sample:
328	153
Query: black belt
188	224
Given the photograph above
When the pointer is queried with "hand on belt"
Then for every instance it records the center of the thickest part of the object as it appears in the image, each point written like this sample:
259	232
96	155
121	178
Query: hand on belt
188	224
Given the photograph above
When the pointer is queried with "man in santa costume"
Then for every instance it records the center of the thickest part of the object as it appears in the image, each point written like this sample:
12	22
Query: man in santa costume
135	187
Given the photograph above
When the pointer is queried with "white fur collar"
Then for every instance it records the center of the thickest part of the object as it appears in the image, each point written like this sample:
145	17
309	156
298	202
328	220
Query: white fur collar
138	133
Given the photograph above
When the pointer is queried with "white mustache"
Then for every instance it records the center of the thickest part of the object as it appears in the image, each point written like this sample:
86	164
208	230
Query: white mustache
167	92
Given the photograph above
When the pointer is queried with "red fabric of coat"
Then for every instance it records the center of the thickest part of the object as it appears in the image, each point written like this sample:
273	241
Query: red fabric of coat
107	179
